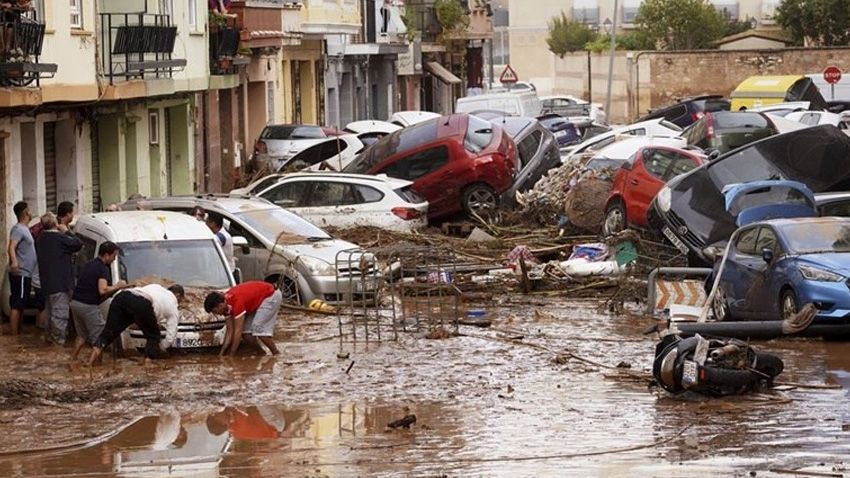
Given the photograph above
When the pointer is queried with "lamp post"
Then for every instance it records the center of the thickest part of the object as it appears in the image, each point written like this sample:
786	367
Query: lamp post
613	33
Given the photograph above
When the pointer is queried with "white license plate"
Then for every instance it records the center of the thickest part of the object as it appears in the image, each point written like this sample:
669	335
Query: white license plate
689	373
675	240
191	342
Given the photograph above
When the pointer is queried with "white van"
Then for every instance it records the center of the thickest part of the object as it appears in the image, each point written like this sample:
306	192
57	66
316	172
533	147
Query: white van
521	103
166	247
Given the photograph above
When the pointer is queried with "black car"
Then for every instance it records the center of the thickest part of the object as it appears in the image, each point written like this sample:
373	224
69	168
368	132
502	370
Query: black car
691	211
723	131
688	110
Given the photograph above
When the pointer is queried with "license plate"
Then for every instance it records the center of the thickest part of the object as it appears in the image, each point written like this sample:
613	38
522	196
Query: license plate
689	373
675	240
190	342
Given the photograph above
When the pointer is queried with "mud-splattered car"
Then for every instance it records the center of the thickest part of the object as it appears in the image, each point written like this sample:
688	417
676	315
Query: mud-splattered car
166	248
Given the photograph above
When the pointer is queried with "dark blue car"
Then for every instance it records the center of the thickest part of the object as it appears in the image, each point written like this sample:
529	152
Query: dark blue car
777	266
566	132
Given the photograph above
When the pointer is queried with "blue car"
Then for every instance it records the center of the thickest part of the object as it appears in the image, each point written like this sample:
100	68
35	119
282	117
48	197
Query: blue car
565	132
775	267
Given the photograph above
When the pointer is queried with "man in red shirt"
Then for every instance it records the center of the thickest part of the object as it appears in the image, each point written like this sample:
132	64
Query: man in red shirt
250	308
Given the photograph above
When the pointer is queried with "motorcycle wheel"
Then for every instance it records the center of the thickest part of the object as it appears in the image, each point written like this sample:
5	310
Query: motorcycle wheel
725	381
769	364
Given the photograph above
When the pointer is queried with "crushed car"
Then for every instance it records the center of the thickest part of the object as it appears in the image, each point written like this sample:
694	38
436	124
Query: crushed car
278	143
687	111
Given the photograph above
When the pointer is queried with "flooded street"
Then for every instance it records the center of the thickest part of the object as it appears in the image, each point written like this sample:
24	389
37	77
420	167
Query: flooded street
538	394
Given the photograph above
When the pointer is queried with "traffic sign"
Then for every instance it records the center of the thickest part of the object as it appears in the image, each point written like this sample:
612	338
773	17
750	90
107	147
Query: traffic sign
832	74
509	76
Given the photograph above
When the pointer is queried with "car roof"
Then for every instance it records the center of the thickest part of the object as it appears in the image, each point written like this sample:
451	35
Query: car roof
372	126
393	183
137	226
779	223
623	149
211	202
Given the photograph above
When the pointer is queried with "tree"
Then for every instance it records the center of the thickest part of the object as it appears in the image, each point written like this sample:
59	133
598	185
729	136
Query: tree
567	36
815	22
681	24
631	40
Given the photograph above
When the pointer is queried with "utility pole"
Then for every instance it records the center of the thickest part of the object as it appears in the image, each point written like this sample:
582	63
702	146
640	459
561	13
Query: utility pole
611	61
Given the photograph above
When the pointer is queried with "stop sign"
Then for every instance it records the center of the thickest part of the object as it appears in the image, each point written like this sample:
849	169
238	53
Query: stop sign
832	74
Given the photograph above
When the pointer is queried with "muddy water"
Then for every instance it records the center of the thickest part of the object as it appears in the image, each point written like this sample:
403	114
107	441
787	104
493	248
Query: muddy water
486	405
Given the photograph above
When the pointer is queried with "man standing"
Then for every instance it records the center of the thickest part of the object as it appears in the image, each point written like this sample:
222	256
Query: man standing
92	289
249	308
216	224
56	248
22	265
65	213
148	307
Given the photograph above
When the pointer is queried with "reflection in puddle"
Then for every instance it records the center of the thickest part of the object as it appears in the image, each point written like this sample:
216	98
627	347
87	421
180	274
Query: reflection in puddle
270	438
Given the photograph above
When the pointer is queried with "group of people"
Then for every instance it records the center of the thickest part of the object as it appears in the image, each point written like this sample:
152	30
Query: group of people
41	277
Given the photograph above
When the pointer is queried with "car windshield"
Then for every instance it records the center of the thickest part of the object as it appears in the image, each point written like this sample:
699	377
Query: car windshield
402	140
807	237
479	133
280	226
769	195
292	132
192	263
739	119
265	183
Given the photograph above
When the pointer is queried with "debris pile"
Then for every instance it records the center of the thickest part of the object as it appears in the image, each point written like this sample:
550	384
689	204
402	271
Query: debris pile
16	394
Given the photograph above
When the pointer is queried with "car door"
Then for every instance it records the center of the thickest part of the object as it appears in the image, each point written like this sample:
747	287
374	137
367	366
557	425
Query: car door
737	271
288	194
251	260
643	183
433	175
765	303
330	203
370	207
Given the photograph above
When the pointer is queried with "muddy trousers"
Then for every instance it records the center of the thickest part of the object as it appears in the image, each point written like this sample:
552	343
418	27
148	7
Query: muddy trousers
128	308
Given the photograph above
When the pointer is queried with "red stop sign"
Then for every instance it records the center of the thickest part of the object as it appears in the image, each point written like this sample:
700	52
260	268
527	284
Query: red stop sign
832	74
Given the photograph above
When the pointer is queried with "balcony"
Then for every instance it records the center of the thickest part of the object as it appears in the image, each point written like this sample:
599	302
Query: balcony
21	40
224	47
137	46
260	23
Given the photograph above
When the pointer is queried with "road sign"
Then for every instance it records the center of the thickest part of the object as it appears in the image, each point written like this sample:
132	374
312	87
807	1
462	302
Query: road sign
508	76
683	292
832	74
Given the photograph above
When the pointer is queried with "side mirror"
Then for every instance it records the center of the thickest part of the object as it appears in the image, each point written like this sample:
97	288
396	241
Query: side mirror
241	242
237	275
714	154
767	255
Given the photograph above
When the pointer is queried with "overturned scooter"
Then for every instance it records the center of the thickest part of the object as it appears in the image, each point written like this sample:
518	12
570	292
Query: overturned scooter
714	367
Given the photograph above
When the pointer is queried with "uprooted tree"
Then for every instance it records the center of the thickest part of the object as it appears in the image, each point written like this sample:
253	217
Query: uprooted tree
681	24
567	35
815	22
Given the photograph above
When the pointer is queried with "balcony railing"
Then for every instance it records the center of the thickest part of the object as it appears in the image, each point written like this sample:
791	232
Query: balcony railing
137	45
21	40
224	46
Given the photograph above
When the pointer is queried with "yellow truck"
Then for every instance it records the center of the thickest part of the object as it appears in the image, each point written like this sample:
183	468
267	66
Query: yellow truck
758	91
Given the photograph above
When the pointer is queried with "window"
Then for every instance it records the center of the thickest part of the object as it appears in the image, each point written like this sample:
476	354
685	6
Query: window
767	240
681	165
630	10
746	243
76	13
288	195
192	14
527	148
402	140
292	132
727	8
658	163
153	127
331	194
367	194
676	112
638	132
418	164
586	11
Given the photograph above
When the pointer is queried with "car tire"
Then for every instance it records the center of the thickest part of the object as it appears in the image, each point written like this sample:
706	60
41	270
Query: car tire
479	199
788	306
289	288
720	306
615	218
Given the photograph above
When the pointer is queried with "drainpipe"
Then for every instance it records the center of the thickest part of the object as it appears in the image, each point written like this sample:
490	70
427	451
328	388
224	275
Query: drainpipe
590	80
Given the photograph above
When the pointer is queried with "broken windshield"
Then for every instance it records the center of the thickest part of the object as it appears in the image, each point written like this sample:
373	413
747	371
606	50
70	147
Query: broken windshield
190	263
280	226
808	237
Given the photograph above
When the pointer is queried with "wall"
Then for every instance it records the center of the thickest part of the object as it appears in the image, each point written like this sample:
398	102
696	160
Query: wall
330	16
73	51
752	43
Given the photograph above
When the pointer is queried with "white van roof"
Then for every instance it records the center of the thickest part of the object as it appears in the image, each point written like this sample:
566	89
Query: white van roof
138	226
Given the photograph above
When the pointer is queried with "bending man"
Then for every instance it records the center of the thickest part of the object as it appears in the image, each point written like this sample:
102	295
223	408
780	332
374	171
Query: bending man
250	308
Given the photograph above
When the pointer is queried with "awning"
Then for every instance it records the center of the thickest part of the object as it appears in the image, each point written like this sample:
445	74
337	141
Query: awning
442	73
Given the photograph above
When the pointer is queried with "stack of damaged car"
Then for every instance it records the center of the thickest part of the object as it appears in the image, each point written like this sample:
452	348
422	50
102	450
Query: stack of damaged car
691	212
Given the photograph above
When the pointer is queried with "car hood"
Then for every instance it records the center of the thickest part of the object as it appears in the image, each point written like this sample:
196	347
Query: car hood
838	262
327	251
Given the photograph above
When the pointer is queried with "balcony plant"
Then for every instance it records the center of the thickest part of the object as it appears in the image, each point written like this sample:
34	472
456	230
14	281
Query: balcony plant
452	16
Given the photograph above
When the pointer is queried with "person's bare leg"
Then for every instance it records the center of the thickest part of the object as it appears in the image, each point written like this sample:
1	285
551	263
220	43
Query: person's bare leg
41	319
79	343
96	353
15	321
269	342
238	326
228	336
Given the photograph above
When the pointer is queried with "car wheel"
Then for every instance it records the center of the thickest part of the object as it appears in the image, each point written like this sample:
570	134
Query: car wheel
788	305
615	218
720	305
479	199
289	288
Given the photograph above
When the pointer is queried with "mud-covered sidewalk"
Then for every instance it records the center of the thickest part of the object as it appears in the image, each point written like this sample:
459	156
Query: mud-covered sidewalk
554	387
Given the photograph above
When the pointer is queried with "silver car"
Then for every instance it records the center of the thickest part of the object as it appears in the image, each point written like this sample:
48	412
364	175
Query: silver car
280	247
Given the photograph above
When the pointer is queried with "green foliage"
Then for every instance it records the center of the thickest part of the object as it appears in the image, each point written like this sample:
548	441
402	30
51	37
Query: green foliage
567	36
409	19
452	16
733	27
815	22
633	40
680	24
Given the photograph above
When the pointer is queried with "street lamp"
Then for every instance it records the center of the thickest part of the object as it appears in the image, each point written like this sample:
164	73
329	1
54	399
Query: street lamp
613	38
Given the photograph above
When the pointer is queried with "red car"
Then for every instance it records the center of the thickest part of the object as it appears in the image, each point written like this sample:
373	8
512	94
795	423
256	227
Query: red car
638	181
458	163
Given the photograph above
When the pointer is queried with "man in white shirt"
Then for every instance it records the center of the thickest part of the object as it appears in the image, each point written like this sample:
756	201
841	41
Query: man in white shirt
216	224
148	307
